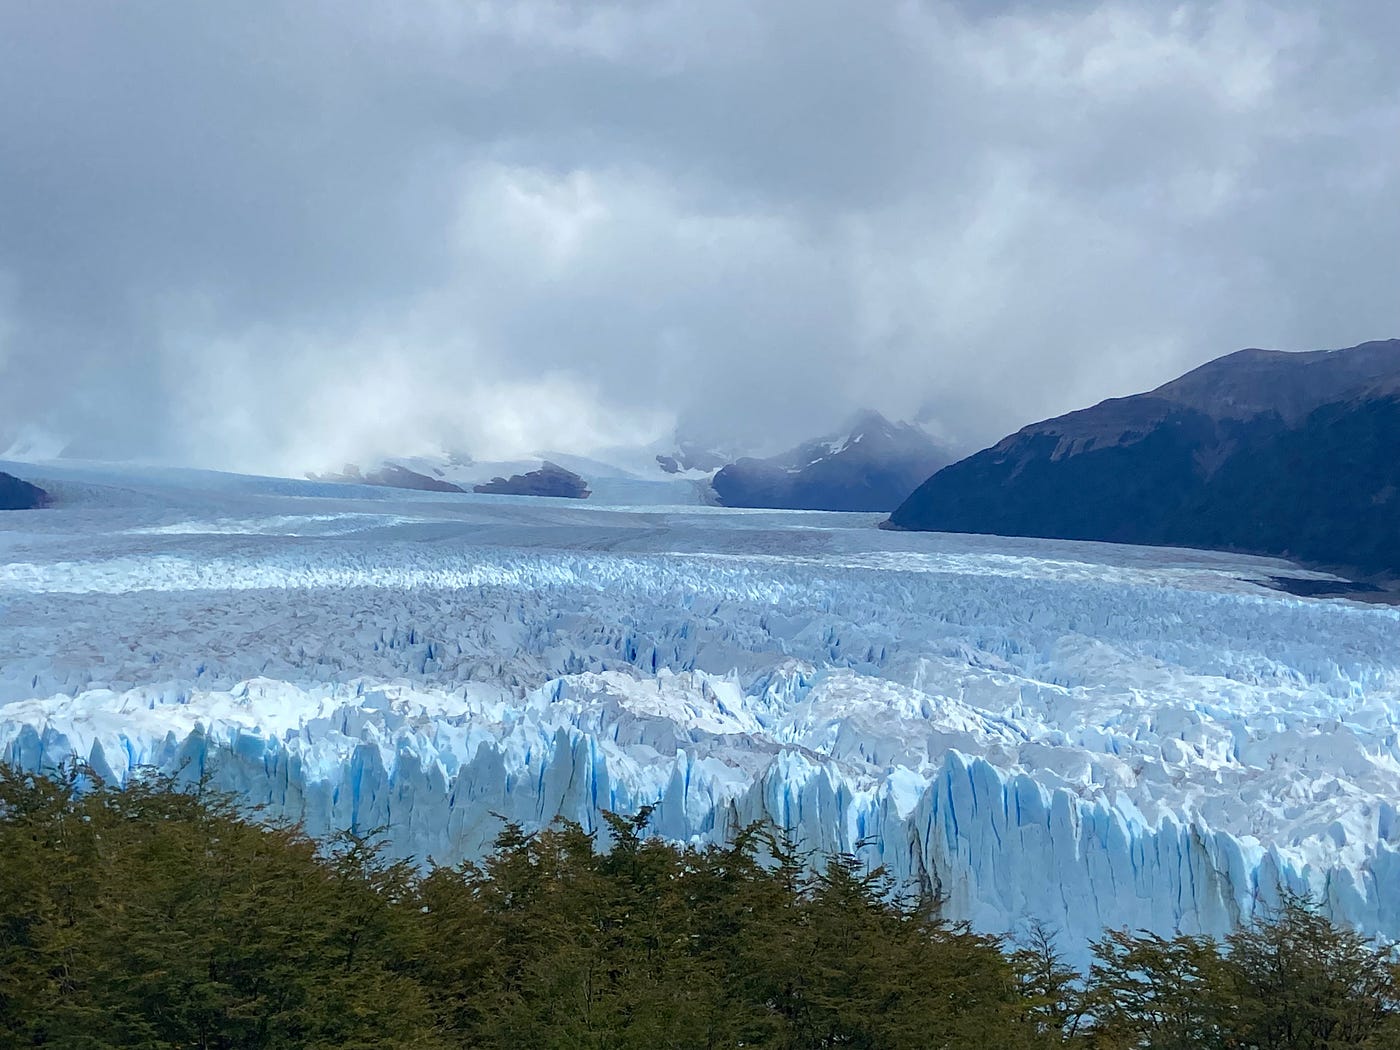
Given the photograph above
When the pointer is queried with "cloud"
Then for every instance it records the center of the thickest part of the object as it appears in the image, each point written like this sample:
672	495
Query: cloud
284	236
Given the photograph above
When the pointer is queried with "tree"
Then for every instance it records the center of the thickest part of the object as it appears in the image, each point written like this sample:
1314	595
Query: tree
160	916
1297	981
1051	992
1148	991
165	915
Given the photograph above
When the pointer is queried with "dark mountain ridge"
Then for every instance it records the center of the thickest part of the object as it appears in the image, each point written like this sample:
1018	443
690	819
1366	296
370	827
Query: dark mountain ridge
389	475
17	494
690	456
550	480
870	466
1286	454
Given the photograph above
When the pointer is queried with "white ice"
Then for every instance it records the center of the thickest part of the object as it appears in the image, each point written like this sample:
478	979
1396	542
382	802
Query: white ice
1081	733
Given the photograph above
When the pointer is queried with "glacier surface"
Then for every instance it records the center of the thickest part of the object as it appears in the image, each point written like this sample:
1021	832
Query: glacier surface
1089	735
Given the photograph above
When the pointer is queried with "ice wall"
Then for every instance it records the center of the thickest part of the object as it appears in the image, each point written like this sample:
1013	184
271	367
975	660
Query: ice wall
1086	735
439	773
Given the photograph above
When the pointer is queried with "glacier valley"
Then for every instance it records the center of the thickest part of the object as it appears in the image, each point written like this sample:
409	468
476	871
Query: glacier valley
1088	735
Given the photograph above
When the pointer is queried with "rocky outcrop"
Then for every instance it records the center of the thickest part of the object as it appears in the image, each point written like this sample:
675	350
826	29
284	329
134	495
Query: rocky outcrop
17	494
390	475
550	480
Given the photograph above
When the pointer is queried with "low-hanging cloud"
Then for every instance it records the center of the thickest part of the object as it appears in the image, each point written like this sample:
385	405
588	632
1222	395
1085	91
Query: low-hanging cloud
284	236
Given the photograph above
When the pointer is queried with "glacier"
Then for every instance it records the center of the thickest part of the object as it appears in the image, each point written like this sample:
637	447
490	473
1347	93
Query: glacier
1082	734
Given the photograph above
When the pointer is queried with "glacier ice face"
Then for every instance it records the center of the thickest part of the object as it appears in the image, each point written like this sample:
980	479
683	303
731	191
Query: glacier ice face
1085	734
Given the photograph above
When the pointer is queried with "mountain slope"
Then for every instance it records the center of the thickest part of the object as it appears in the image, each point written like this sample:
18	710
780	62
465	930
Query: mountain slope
655	476
16	494
389	475
871	468
550	480
690	457
1277	453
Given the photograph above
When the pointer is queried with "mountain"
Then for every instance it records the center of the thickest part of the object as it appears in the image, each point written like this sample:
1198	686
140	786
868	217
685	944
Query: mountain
664	474
16	494
389	475
691	457
869	468
550	480
1288	454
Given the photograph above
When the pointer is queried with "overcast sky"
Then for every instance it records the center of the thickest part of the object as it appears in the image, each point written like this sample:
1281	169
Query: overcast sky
275	237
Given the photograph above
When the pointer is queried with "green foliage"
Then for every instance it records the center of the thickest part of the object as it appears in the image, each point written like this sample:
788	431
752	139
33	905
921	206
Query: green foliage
1051	994
1297	981
157	916
1291	980
163	916
1152	992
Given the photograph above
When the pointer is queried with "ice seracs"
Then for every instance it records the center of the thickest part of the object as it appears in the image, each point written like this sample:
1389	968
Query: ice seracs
1087	735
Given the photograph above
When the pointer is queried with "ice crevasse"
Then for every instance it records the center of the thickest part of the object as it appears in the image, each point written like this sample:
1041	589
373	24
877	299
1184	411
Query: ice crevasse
1088	736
